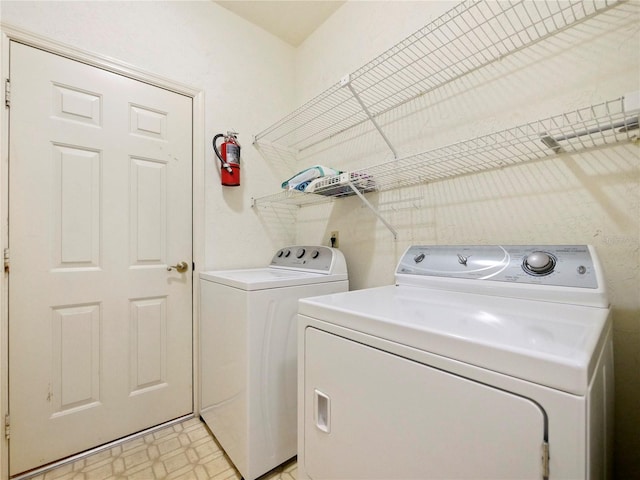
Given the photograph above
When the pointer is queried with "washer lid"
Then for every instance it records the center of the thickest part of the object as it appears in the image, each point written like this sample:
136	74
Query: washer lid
547	343
263	278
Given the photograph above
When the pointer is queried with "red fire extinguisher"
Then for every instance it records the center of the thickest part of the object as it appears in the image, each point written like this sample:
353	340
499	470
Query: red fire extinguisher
229	156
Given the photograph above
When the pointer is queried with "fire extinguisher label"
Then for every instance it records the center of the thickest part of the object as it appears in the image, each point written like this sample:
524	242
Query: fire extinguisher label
233	154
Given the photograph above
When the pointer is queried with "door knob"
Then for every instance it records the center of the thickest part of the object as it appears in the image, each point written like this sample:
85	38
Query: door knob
181	267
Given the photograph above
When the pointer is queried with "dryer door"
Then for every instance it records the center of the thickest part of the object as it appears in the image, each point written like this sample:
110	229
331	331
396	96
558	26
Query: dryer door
369	414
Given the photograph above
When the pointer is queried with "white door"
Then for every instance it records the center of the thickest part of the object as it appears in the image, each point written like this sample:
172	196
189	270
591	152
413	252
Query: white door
100	333
369	414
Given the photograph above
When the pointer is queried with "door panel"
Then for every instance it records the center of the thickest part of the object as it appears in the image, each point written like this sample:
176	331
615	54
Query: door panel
100	203
369	415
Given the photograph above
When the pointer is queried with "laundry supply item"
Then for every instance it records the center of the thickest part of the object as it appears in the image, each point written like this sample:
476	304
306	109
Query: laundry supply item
301	180
341	185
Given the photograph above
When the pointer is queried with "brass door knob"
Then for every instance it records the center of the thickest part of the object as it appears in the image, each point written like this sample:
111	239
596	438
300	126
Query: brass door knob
181	267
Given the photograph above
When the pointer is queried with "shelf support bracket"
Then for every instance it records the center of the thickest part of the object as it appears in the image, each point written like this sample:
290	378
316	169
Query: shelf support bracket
554	142
373	209
346	81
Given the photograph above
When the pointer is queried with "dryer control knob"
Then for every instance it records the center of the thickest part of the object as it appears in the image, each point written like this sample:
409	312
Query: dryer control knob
314	253
418	258
539	263
300	252
287	252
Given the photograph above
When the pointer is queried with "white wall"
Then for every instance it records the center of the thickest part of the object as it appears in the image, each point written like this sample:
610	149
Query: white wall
589	198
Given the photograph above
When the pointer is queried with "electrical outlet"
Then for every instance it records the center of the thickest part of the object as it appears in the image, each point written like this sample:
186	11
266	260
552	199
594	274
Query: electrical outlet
335	239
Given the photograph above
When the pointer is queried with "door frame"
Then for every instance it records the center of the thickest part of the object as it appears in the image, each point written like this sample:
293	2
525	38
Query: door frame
10	33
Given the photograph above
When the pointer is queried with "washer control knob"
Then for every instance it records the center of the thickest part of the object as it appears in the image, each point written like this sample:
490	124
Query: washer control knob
418	258
287	252
280	253
539	263
300	252
314	253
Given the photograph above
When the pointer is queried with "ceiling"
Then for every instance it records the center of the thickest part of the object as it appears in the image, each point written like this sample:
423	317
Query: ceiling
291	21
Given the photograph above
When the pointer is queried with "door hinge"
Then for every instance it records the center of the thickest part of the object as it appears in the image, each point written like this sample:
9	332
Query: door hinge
6	260
7	427
545	460
7	93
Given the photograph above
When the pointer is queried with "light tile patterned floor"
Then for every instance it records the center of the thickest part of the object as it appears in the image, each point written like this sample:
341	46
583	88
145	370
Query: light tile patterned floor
185	451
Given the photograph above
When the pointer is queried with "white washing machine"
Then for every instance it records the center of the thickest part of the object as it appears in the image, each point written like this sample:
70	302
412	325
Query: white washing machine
248	352
482	362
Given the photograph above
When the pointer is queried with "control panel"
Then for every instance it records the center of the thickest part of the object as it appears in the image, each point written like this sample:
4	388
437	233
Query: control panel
556	265
314	258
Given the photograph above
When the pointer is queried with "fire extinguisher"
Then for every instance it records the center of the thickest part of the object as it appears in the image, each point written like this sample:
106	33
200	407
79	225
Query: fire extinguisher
229	156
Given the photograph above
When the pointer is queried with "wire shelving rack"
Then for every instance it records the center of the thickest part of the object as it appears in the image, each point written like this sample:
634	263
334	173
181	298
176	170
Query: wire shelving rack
468	37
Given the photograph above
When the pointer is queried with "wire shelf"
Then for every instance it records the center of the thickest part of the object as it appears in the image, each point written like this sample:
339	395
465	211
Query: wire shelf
585	128
291	198
473	34
588	127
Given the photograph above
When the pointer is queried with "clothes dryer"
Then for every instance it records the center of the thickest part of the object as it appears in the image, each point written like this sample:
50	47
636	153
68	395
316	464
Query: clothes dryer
248	321
491	362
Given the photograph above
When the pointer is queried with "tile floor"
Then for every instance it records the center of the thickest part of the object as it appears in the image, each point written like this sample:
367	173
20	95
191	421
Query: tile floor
185	451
